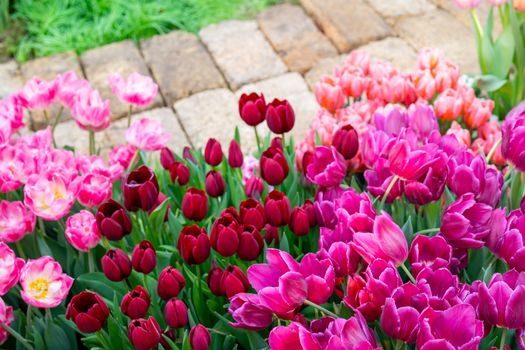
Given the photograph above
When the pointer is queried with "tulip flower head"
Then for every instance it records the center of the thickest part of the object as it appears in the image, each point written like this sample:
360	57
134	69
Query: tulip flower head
16	220
147	135
137	89
10	267
82	231
88	311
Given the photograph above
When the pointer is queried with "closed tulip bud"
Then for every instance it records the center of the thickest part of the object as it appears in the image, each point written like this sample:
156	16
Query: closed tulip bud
274	166
225	235
116	265
176	313
180	173
309	208
254	187
171	282
234	281
213	152
200	338
140	189
88	311
144	334
252	213
113	221
277	142
346	141
252	108
214	279
299	223
135	304
231	211
280	116
166	157
250	244
194	244
308	158
215	185
194	204
271	235
186	154
235	157
144	258
277	208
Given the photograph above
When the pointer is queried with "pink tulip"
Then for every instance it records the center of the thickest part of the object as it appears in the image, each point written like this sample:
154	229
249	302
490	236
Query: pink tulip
5	131
6	317
380	178
408	163
90	111
11	108
391	119
488	135
461	135
94	190
15	221
40	140
38	93
375	143
10	267
467	4
97	165
360	59
422	119
438	288
293	337
344	259
448	105
479	113
328	167
122	155
43	283
352	81
425	85
69	87
429	252
429	59
430	186
508	243
137	89
329	94
15	164
249	313
82	231
147	135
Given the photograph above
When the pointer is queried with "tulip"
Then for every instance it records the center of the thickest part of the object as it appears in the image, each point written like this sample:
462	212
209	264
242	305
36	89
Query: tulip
519	5
250	243
194	204
274	166
448	105
188	155
513	129
252	213
440	288
113	221
299	222
136	89
467	4
38	93
147	135
122	155
135	304
235	157
329	94
170	283
429	252
328	167
69	86
179	172
231	211
194	245
430	186
15	166
346	141
225	236
16	221
308	158
176	313
479	113
233	281
116	265
281	337
10	267
271	235
254	187
214	279
82	231
43	283
167	158
425	84
248	312
88	311
91	112
200	338
144	334
144	257
344	259
309	209
277	142
325	206
215	186
140	189
252	108
391	120
280	116
213	152
406	163
353	81
400	315
277	208
94	190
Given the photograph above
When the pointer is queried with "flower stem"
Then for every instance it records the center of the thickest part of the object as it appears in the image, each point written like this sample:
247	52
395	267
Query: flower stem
17	336
257	139
102	340
29	321
320	308
91	142
129	115
503	339
20	250
91	261
404	268
42	227
284	143
387	192
429	230
55	123
493	149
130	166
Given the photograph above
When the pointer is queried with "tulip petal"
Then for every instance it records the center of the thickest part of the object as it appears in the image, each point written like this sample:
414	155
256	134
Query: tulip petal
391	238
515	311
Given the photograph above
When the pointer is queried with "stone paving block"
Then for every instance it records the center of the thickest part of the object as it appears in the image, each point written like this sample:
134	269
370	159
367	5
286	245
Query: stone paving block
181	65
394	50
69	134
348	23
396	8
123	58
441	30
295	36
241	52
323	67
10	79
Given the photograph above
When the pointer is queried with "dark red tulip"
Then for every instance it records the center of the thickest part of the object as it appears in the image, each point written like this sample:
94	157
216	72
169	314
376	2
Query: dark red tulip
176	313
200	338
224	236
88	311
144	258
271	235
170	335
308	157
135	304
232	212
234	281
166	157
214	279
299	223
194	244
280	116
346	141
252	108
171	282
308	206
179	173
140	189
213	152
235	157
160	199
116	265
113	221
252	213
214	183
186	154
274	166
277	208
277	142
250	244
144	334
195	204
254	187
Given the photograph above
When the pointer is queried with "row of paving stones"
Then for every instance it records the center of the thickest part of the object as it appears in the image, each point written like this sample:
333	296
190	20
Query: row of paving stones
200	78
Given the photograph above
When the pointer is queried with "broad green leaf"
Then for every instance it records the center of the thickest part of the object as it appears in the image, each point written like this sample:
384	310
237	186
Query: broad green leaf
503	53
489	82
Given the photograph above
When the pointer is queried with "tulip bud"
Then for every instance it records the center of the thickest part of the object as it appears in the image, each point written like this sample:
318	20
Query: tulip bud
144	334
271	235
88	311
116	265
346	141
277	208
179	172
235	157
299	223
274	166
252	108
113	221
214	279
186	154
308	206
254	187
225	235
250	243
252	213
231	211
144	257
135	304
277	142
194	204
171	282
234	281
176	313
280	116
200	338
215	185
213	152
308	158
140	189
166	157
194	244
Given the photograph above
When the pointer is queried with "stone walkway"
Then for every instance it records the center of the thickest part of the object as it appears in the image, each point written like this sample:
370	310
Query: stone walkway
282	53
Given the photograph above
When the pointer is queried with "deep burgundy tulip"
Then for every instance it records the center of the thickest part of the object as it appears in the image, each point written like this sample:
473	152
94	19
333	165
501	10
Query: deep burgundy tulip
299	222
231	211
254	187
116	265
224	236
271	236
160	199
280	116
252	108
88	311
194	244
277	142
144	334
346	141
213	152
234	281
214	279
215	185
167	158
113	221
429	252
308	158
277	208
513	131
274	166
250	243
140	189
135	304
200	338
144	257
252	213
176	313
235	157
171	282
186	154
309	208
179	172
195	204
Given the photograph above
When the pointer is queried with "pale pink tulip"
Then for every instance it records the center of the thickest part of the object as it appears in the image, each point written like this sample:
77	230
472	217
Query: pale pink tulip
137	89
97	165
122	155
90	111
329	94
38	93
5	131
519	5
12	109
147	135
360	59
448	105
69	87
15	221
82	231
467	4
14	167
462	135
94	190
425	84
352	80
429	59
479	113
6	317
10	267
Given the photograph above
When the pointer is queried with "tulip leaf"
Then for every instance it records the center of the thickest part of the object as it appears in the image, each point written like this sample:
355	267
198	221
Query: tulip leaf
256	341
170	342
237	135
489	82
157	216
116	334
283	244
56	338
98	282
503	53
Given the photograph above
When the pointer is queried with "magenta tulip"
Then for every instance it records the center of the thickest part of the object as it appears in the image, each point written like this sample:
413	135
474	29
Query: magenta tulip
249	313
328	167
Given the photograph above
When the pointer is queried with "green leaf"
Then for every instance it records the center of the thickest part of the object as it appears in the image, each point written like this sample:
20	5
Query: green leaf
503	53
237	135
283	244
489	82
98	282
157	216
256	341
56	338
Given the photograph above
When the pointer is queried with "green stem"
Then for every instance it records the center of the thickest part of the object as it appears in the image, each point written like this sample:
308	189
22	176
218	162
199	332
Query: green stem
217	332
20	250
55	123
129	115
130	166
42	227
387	192
49	317
510	169
320	308
17	336
429	230
404	268
503	339
257	139
101	337
493	149
29	322
92	142
91	261
479	38
284	143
